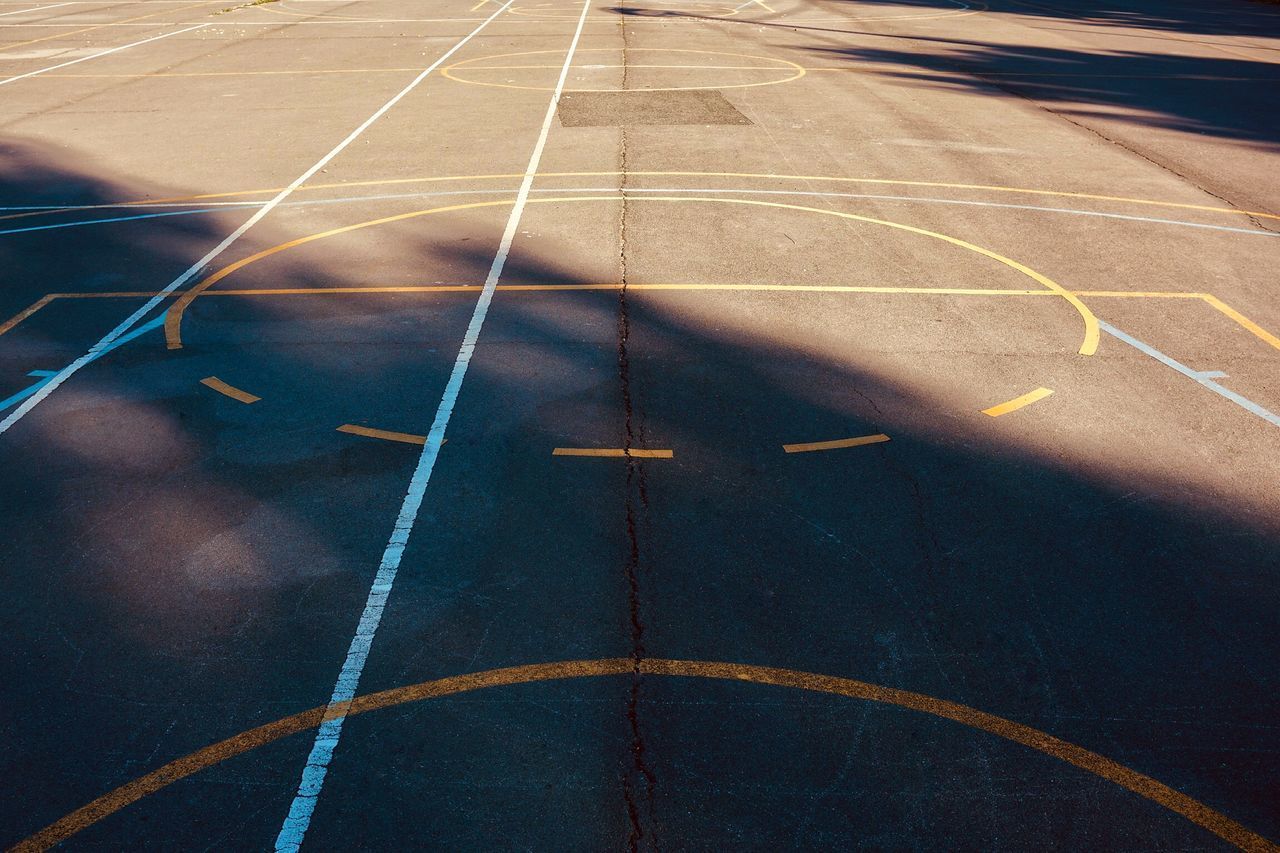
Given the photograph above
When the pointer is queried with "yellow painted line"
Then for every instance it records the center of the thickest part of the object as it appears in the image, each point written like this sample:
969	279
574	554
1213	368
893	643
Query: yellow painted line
878	438
26	312
613	452
230	390
1017	403
683	174
385	435
783	65
149	74
1090	762
9	47
1088	346
1240	319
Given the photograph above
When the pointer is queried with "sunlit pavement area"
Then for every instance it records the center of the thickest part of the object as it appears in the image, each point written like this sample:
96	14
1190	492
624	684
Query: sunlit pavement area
645	425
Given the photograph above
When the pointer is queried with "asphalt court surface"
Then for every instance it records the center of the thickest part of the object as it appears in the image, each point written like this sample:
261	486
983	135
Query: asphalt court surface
868	433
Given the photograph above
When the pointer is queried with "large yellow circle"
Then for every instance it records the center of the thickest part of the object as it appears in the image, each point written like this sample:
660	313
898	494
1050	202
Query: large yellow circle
791	70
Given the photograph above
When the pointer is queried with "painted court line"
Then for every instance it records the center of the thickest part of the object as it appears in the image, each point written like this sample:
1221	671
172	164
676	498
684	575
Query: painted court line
613	452
1017	403
210	207
1204	377
835	445
194	270
100	53
294	829
229	390
384	434
32	9
46	376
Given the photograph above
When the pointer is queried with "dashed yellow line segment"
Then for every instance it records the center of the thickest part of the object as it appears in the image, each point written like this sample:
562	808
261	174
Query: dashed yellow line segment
1017	402
229	390
1091	762
384	434
614	452
813	446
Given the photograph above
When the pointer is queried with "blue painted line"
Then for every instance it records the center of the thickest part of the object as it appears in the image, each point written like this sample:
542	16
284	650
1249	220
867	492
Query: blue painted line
24	394
1204	377
57	225
47	375
662	191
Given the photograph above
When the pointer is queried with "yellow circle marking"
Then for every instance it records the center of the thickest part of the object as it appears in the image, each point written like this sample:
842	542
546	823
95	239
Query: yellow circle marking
173	319
1099	765
795	70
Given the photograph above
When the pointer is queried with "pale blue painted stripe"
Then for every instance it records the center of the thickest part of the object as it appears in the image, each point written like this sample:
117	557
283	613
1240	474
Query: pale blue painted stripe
47	375
58	225
1204	377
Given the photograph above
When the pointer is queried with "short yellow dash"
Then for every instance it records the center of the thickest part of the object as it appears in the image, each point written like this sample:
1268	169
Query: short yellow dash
230	390
1017	403
615	452
838	443
385	435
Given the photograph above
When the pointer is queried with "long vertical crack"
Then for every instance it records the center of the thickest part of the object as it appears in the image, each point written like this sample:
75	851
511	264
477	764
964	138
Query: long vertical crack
636	491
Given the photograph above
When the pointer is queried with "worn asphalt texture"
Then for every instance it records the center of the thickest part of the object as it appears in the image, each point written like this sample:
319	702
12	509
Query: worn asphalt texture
859	180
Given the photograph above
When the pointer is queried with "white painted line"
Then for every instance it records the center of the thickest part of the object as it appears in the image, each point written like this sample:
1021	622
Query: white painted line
1205	377
100	53
203	207
194	270
298	820
33	9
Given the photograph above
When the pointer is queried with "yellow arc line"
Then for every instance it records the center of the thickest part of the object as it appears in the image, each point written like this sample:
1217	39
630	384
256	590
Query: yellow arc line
173	320
783	65
614	452
1099	765
384	434
229	390
1017	402
835	445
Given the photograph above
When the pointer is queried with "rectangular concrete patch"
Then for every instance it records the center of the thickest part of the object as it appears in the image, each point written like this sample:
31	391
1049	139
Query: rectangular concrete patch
615	109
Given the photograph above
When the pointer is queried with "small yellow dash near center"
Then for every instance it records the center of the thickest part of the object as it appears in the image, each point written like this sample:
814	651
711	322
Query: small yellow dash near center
385	435
1017	402
838	443
615	452
230	390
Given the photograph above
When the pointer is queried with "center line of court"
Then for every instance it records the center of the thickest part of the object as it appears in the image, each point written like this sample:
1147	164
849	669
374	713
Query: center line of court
298	820
133	319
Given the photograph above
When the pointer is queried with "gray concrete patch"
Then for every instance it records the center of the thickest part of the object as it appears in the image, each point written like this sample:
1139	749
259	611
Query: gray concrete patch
672	107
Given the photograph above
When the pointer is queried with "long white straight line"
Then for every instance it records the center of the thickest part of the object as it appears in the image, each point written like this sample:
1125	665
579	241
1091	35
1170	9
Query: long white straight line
100	53
32	9
1204	377
192	271
298	820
